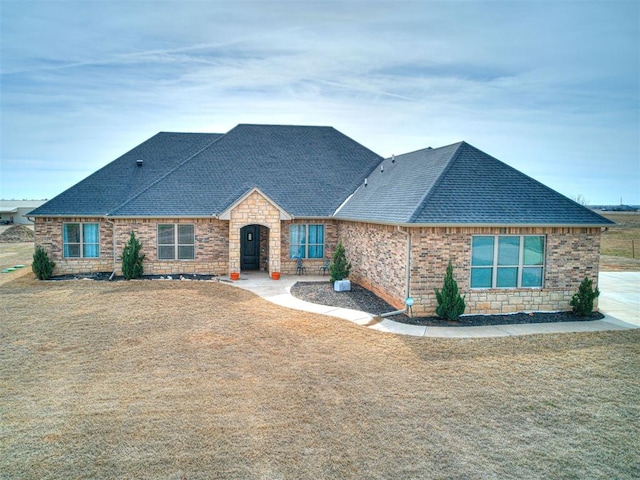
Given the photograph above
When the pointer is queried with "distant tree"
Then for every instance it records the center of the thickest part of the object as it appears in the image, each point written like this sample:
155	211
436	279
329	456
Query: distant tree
579	198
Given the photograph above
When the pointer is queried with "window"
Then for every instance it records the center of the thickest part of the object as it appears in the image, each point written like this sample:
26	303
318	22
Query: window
306	241
176	242
507	261
81	240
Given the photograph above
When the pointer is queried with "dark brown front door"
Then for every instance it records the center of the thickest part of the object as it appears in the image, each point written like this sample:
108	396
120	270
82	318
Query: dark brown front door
250	247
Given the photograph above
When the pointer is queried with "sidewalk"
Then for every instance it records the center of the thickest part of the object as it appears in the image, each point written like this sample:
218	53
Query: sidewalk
620	294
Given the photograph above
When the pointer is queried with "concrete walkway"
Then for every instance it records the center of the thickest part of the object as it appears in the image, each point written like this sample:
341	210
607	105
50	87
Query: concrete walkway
619	302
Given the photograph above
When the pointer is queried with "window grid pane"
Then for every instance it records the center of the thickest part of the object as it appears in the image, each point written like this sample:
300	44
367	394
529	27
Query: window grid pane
533	251
166	235
508	250
482	251
185	235
518	262
186	252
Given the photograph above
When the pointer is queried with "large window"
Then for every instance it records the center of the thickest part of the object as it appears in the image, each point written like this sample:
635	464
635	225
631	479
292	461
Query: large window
507	261
176	242
81	240
306	241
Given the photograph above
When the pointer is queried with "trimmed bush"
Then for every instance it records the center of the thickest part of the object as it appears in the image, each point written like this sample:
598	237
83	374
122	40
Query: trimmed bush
339	268
131	258
582	302
450	304
42	265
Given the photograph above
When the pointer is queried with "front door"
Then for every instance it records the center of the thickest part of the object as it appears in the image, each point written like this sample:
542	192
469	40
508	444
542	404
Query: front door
250	247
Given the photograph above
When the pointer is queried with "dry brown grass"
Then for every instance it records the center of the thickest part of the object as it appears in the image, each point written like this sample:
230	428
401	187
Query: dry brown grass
617	248
201	380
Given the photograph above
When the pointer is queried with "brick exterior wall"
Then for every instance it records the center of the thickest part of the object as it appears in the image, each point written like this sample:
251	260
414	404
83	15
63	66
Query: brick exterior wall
378	254
211	237
378	257
311	265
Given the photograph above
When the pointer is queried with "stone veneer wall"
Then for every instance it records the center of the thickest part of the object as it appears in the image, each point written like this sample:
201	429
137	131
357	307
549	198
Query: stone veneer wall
571	254
211	236
255	210
311	265
378	257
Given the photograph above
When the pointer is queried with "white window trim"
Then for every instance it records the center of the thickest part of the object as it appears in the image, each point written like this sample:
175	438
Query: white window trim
306	236
520	266
175	243
82	242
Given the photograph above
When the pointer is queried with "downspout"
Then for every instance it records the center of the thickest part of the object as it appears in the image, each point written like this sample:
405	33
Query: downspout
113	224
408	276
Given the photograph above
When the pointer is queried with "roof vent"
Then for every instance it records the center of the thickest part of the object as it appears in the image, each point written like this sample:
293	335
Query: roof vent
139	162
382	168
393	158
365	182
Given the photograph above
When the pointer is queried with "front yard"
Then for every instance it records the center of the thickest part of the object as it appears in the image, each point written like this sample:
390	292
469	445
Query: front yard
170	379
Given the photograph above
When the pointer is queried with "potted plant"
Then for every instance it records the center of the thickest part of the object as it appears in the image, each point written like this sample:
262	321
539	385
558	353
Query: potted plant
339	269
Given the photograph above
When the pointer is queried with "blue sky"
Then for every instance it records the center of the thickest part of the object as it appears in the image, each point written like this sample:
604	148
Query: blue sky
549	87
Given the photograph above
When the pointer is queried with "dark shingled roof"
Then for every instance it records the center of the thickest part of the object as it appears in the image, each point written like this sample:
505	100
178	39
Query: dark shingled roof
459	184
308	171
314	172
105	190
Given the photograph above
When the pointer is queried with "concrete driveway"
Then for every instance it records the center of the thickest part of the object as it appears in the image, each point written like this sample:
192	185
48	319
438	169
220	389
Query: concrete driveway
620	295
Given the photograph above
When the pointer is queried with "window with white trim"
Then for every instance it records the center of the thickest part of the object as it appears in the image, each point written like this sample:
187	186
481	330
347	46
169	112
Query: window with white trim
306	241
81	240
176	241
507	261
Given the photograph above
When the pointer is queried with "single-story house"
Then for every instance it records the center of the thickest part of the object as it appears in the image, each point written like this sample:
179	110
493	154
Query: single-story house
261	196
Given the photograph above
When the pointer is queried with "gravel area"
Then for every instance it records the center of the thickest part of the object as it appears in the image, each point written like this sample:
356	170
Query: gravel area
360	298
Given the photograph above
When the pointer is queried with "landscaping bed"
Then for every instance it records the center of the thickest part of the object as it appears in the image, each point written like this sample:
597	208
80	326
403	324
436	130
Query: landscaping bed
360	298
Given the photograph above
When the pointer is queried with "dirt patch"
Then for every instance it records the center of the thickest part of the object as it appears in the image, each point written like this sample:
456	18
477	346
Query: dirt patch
362	299
17	234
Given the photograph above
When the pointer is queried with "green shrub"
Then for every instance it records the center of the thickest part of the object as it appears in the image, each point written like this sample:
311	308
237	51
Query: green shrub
42	265
339	268
131	258
582	302
450	304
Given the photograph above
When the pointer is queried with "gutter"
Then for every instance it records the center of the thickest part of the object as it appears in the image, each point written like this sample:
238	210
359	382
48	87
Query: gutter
113	234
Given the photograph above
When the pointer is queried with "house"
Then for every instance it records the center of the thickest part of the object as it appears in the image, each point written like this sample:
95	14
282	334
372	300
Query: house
260	196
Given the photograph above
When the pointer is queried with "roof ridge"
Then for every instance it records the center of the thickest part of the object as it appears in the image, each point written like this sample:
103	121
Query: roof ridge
162	177
429	192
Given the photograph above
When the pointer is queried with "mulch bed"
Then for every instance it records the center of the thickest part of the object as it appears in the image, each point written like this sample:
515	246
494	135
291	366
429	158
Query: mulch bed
360	298
104	276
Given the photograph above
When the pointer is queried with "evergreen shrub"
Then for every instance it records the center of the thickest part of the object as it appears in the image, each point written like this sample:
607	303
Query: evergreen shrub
582	302
450	304
131	258
42	265
339	268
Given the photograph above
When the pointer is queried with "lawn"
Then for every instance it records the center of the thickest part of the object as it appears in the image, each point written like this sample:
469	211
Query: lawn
620	247
189	380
